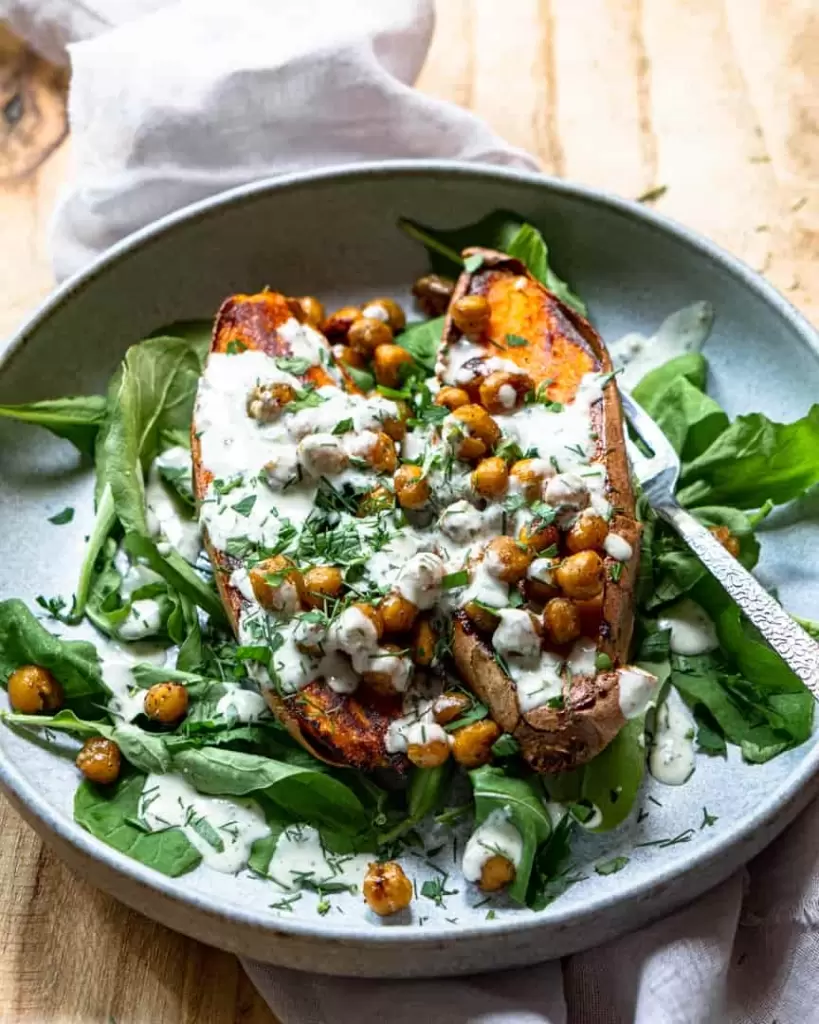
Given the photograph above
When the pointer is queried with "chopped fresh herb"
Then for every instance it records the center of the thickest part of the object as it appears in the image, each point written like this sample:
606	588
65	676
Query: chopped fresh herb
245	506
509	450
490	915
286	904
223	487
344	427
505	746
61	518
514	502
682	837
235	347
435	889
473	263
476	713
611	867
708	819
652	194
603	662
293	364
323	907
453	814
555	702
615	571
455	579
516	599
515	341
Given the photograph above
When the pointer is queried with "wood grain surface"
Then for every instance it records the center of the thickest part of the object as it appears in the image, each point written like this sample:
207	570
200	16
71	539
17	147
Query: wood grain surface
715	103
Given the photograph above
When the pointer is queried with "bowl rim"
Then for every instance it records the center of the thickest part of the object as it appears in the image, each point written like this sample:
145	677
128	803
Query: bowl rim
707	854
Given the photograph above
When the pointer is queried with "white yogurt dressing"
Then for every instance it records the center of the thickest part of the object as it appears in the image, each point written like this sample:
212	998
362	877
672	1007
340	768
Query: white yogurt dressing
244	706
496	836
637	688
300	857
692	631
166	519
222	830
672	750
684	331
617	547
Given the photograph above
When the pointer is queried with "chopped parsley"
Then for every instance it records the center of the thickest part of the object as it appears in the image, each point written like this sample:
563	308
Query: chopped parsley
61	518
708	819
344	427
293	364
435	889
473	263
455	579
245	506
603	662
615	571
515	341
235	347
611	867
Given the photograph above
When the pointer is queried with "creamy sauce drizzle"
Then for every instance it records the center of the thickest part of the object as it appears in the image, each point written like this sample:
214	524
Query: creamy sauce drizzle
300	857
496	836
692	631
687	330
672	750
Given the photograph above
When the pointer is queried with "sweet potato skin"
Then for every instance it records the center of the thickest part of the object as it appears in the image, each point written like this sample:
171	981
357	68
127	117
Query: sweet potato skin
567	347
338	729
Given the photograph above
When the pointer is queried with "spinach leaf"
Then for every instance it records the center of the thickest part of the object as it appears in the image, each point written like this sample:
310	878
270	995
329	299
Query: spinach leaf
521	799
63	721
425	795
181	482
690	367
551	875
754	460
178	573
422	341
76	419
104	522
611	781
23	641
689	418
107	812
307	794
530	248
198	334
146	751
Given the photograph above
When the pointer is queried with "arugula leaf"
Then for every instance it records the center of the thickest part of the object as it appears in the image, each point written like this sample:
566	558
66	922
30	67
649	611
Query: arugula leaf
107	812
76	419
520	798
422	341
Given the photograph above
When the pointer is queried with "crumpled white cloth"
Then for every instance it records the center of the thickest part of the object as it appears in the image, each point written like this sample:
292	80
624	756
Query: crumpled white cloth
173	100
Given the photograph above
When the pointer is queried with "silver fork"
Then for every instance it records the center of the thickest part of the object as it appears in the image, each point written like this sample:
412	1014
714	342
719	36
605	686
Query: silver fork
658	477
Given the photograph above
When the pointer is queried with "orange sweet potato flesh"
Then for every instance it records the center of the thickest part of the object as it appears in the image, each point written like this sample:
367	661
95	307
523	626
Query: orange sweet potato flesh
338	729
562	347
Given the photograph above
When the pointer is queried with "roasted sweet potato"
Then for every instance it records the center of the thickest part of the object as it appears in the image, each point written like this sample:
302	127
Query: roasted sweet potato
532	329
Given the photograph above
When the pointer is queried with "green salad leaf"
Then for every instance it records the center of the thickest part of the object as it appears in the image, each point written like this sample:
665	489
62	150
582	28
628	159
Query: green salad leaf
422	341
528	245
76	419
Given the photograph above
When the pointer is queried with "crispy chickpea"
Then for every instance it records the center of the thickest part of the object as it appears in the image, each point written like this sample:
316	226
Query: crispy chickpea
266	401
387	310
726	538
33	689
587	533
389	363
450	706
490	477
398	613
397	428
501	391
471	314
348	357
496	873
506	559
366	334
424	639
433	293
387	889
277	584
321	583
481	617
411	486
561	620
527	475
430	754
379	499
166	703
307	309
388	672
538	536
373	614
581	576
99	760
452	398
381	456
481	435
338	324
472	745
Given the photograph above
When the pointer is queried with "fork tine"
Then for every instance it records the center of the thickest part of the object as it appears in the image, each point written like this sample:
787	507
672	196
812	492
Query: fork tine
643	425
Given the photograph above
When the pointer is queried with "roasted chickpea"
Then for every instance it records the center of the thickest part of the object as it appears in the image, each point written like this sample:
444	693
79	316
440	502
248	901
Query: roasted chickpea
321	583
348	357
430	754
496	873
379	499
373	614
501	391
388	671
481	617
99	760
166	703
424	639
387	310
411	486
433	293
266	401
540	584
389	363
337	325
587	533
398	613
471	314
527	476
561	620
490	477
481	432
452	398
387	889
472	745
538	536
277	584
33	689
366	334
727	539
381	456
450	706
506	559
581	576
307	309
397	428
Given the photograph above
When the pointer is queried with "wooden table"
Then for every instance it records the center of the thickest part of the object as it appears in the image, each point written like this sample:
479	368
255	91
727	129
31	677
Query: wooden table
715	101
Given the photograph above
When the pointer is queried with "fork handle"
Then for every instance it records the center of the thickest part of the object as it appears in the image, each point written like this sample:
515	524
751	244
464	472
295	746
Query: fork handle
787	637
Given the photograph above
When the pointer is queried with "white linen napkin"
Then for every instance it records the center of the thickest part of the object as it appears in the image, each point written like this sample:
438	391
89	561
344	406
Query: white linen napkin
173	100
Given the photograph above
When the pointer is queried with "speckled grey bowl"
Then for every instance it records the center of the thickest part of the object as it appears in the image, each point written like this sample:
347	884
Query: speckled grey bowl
333	234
